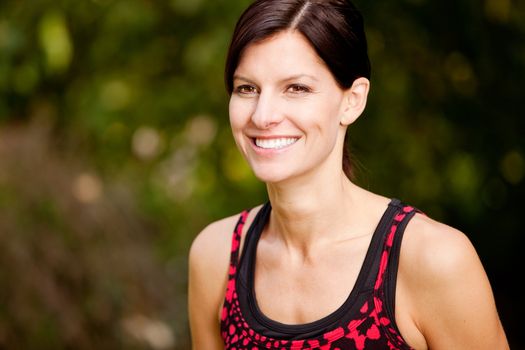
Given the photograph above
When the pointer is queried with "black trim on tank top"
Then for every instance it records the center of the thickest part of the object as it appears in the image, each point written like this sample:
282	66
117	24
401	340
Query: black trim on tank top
392	269
254	231
363	286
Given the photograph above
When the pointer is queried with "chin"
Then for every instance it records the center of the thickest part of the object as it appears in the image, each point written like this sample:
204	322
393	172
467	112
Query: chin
273	174
269	178
269	175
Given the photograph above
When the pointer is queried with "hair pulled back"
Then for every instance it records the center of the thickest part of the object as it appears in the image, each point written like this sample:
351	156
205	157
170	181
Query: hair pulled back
334	28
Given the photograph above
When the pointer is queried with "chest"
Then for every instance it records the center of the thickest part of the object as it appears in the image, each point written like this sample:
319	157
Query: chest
298	291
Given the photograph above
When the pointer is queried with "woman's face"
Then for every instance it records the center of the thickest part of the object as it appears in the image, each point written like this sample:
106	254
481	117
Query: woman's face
286	109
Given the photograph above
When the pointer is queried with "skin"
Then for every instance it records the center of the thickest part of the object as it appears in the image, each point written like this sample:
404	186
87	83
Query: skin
321	224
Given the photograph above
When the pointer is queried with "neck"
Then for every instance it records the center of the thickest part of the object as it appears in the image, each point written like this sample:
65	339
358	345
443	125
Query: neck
303	209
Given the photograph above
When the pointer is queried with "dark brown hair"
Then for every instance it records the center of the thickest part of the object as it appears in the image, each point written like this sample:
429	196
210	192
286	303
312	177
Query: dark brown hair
334	28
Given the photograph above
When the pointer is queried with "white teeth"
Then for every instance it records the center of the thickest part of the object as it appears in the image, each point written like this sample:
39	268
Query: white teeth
275	143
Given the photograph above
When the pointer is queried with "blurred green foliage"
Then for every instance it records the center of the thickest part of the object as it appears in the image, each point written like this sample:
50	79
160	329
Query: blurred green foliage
115	150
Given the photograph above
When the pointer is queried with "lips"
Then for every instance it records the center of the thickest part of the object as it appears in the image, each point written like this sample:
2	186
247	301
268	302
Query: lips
275	143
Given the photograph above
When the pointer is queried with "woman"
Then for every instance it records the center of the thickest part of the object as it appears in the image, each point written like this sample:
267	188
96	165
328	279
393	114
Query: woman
325	264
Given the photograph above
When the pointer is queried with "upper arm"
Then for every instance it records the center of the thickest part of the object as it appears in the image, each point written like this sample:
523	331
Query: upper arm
208	266
451	295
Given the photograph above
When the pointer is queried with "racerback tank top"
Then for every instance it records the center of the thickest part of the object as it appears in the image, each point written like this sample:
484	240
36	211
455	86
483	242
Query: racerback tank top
364	321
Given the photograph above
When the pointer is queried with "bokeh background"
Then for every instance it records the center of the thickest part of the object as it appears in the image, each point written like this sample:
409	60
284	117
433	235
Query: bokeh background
115	151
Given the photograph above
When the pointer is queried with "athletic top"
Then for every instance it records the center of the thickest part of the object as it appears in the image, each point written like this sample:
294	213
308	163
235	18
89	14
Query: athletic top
364	321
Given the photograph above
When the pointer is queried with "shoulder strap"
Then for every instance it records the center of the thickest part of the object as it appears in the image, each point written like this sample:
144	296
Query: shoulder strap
392	249
403	218
236	239
392	243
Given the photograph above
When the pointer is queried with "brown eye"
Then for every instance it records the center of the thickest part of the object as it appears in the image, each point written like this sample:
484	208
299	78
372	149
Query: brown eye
246	90
298	89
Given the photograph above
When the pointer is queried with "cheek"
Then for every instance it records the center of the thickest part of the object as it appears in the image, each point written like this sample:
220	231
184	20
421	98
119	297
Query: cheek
324	117
239	112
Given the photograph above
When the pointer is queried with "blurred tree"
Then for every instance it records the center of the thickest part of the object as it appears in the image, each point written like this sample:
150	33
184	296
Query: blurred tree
115	151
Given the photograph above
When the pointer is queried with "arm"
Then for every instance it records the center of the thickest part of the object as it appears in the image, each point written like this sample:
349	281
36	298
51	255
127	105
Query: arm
208	267
452	301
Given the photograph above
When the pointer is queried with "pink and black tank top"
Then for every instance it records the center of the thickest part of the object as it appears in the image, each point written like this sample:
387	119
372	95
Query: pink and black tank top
364	321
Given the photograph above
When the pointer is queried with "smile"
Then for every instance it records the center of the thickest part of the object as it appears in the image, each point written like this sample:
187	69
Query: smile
276	143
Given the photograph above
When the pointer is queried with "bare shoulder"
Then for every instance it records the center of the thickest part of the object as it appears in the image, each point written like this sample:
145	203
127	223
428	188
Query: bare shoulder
210	251
436	257
208	274
444	290
208	270
213	243
435	249
208	264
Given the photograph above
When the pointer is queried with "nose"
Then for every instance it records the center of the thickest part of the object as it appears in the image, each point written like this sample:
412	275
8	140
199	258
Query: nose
267	112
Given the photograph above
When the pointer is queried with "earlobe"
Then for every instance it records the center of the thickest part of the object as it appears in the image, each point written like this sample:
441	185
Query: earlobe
355	101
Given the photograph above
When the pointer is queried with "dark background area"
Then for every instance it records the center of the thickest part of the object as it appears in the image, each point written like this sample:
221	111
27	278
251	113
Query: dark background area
115	151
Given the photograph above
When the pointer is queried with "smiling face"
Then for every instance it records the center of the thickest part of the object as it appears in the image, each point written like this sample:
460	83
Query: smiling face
288	114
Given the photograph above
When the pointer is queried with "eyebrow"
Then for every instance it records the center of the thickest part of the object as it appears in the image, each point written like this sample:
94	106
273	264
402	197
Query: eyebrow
292	77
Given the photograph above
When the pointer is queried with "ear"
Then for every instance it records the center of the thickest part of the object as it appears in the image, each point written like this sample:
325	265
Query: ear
354	101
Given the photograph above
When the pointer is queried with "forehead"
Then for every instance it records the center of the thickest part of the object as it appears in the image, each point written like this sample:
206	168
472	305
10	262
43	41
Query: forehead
285	53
